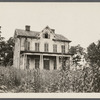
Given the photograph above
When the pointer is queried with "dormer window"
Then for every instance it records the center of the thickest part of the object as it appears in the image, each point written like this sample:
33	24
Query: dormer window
46	35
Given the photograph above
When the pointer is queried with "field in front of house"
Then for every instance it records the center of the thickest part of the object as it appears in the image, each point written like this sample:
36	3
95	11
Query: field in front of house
14	80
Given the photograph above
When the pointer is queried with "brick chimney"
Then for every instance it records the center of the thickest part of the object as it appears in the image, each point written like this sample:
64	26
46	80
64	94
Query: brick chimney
27	28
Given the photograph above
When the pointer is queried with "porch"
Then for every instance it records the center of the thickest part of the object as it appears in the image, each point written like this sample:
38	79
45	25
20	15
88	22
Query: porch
43	61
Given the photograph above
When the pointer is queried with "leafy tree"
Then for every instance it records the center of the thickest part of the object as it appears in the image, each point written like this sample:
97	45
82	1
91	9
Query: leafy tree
2	49
9	51
6	51
77	52
93	52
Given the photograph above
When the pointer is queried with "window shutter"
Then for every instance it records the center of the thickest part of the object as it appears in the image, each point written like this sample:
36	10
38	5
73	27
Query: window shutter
36	46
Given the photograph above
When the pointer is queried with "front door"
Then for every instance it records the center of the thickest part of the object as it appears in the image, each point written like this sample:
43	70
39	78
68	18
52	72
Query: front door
46	64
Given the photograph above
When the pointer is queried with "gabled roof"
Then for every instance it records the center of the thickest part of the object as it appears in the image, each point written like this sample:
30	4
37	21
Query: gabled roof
23	33
34	34
59	37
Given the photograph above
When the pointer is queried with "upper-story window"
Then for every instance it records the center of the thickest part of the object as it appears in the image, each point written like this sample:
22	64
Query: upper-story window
27	45
54	48
46	47
46	35
36	46
63	48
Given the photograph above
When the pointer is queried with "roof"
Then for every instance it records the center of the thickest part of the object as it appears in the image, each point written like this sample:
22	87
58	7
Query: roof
34	34
24	33
60	37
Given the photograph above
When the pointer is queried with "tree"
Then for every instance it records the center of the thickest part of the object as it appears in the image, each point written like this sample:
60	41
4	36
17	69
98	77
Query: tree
93	52
9	51
6	51
2	49
77	52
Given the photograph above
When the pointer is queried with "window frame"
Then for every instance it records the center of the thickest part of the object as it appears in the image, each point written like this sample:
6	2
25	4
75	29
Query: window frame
37	45
28	45
46	37
55	48
63	48
46	47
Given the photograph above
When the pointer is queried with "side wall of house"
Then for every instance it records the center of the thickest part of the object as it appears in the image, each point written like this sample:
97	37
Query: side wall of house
16	59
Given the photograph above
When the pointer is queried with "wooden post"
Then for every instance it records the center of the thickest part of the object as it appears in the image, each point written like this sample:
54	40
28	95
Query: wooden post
25	61
57	62
41	62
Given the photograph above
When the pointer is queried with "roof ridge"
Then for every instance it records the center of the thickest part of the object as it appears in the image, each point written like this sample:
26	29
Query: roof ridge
27	31
21	32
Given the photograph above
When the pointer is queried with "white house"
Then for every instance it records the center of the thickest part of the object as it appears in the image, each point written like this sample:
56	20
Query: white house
42	50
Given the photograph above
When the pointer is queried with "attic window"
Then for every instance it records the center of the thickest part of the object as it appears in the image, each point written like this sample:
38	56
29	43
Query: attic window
46	35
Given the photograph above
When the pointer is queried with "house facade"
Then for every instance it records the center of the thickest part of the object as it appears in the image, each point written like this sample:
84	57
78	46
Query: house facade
43	50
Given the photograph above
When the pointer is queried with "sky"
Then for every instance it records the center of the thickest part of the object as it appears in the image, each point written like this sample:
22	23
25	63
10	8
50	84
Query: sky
79	22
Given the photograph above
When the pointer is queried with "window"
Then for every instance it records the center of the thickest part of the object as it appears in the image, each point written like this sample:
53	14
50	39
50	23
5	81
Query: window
46	35
63	48
46	46
36	46
28	45
54	48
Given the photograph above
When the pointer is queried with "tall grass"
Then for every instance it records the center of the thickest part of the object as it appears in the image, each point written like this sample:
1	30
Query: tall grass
15	80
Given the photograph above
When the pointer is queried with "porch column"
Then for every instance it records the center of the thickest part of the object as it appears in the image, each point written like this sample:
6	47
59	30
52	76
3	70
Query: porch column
41	62
57	62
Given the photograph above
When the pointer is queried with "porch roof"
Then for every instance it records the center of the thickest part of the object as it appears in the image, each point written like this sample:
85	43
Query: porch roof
45	53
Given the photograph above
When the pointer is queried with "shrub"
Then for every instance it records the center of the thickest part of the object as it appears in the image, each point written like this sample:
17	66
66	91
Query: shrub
47	81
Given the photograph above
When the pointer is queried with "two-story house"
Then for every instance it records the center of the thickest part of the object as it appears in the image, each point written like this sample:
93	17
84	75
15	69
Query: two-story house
43	50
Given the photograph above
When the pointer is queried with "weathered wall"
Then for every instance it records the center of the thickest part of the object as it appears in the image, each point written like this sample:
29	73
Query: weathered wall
41	42
20	61
16	59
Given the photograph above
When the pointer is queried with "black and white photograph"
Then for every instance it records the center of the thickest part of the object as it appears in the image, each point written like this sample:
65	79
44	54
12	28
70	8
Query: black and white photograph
49	47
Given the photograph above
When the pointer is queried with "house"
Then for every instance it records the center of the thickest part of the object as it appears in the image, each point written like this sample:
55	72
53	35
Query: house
43	50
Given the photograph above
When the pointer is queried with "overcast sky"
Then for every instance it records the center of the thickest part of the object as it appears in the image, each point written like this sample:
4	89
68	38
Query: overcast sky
79	22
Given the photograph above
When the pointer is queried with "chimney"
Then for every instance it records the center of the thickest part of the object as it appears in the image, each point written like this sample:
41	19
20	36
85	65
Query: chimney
53	30
27	28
